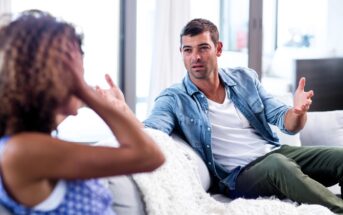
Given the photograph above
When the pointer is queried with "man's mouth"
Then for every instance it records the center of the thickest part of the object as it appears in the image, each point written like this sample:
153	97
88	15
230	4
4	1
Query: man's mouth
197	66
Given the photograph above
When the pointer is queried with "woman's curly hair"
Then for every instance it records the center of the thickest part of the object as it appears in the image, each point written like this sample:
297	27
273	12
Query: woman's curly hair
34	81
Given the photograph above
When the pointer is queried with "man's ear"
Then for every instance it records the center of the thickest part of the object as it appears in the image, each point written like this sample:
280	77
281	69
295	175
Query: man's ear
219	48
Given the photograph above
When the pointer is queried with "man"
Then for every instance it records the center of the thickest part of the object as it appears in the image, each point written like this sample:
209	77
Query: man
224	114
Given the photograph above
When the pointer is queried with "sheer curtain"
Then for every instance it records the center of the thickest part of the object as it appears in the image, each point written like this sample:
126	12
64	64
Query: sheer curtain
5	8
167	66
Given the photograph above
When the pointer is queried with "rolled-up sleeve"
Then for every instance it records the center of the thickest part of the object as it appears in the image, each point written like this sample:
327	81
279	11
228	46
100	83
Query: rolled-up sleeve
162	116
275	110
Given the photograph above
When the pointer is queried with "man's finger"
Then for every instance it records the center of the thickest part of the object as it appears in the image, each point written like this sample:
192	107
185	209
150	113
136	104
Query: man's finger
301	85
310	94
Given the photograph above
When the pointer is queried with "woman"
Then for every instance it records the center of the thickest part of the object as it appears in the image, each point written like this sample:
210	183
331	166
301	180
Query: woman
41	83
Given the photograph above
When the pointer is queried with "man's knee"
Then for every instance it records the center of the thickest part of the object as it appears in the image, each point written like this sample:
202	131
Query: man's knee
277	164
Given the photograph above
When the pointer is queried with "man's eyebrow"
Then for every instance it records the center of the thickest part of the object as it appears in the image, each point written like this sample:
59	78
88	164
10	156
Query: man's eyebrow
204	44
201	44
186	46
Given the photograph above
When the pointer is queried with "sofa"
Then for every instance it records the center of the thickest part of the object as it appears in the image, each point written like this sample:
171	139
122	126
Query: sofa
322	128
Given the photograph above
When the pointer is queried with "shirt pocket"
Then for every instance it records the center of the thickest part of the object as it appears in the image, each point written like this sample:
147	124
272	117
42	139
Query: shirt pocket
192	127
190	121
256	105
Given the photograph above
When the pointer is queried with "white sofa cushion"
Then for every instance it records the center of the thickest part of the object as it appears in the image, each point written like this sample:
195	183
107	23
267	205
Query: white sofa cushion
203	172
323	129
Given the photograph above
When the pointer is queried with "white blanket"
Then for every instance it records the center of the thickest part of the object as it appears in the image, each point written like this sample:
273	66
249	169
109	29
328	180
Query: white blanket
174	188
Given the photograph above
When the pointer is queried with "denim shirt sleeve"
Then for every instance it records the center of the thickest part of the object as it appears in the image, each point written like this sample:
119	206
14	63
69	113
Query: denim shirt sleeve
268	109
162	115
275	110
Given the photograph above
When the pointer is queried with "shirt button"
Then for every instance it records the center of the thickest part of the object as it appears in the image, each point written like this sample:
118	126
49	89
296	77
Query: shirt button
202	96
209	163
208	129
208	146
192	120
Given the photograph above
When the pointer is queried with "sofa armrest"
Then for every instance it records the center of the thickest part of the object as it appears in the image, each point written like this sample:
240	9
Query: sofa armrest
203	172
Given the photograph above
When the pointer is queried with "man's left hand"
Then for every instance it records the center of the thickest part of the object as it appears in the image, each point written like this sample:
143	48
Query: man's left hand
302	99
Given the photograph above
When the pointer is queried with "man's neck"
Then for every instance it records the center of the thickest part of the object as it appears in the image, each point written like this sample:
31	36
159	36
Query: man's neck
212	88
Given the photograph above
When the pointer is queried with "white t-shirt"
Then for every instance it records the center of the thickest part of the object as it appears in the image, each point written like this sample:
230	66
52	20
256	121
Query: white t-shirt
234	141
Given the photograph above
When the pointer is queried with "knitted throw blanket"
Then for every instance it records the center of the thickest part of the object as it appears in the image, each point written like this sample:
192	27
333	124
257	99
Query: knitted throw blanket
174	188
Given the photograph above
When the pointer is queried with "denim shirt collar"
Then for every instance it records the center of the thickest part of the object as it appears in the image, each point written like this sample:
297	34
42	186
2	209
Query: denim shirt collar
191	89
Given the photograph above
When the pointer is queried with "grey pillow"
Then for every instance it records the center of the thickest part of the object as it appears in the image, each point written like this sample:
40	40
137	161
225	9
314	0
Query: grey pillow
323	128
4	211
127	198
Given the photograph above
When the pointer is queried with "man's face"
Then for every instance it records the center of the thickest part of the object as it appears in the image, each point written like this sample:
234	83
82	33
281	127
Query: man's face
200	55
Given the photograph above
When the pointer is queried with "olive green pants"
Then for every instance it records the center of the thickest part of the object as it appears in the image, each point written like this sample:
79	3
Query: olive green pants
298	173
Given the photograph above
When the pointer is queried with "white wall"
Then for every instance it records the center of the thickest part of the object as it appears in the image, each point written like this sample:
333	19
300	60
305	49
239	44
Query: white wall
335	30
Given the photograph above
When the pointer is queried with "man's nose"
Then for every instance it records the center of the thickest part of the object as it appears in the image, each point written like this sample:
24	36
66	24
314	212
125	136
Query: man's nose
196	56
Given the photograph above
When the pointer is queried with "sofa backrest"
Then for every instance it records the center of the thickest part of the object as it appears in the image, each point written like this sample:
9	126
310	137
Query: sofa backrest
323	128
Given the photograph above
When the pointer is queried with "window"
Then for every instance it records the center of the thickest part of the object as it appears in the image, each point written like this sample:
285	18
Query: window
100	25
290	33
233	28
145	29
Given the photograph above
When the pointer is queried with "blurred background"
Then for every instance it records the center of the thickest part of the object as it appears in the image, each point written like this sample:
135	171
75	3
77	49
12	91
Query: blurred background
137	41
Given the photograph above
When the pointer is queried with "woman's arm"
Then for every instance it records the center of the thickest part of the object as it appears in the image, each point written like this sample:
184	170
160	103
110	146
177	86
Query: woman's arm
40	156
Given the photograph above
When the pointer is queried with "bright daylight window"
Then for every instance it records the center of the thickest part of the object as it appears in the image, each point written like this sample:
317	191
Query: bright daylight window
100	25
290	34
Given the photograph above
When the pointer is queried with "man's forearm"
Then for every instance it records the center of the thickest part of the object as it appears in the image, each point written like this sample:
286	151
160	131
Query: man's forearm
295	122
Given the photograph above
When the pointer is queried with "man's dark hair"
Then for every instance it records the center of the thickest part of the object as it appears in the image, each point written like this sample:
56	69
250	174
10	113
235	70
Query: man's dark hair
198	26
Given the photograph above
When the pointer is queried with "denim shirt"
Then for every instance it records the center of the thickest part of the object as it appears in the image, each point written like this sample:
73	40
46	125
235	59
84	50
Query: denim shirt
183	109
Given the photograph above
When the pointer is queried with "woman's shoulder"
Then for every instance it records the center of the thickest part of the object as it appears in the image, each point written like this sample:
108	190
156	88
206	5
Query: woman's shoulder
17	148
26	140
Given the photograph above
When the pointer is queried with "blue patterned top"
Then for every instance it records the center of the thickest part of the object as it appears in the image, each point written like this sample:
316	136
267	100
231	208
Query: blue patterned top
83	197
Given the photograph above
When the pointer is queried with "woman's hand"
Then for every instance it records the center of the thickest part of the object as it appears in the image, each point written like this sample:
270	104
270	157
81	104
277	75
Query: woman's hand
113	95
73	63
